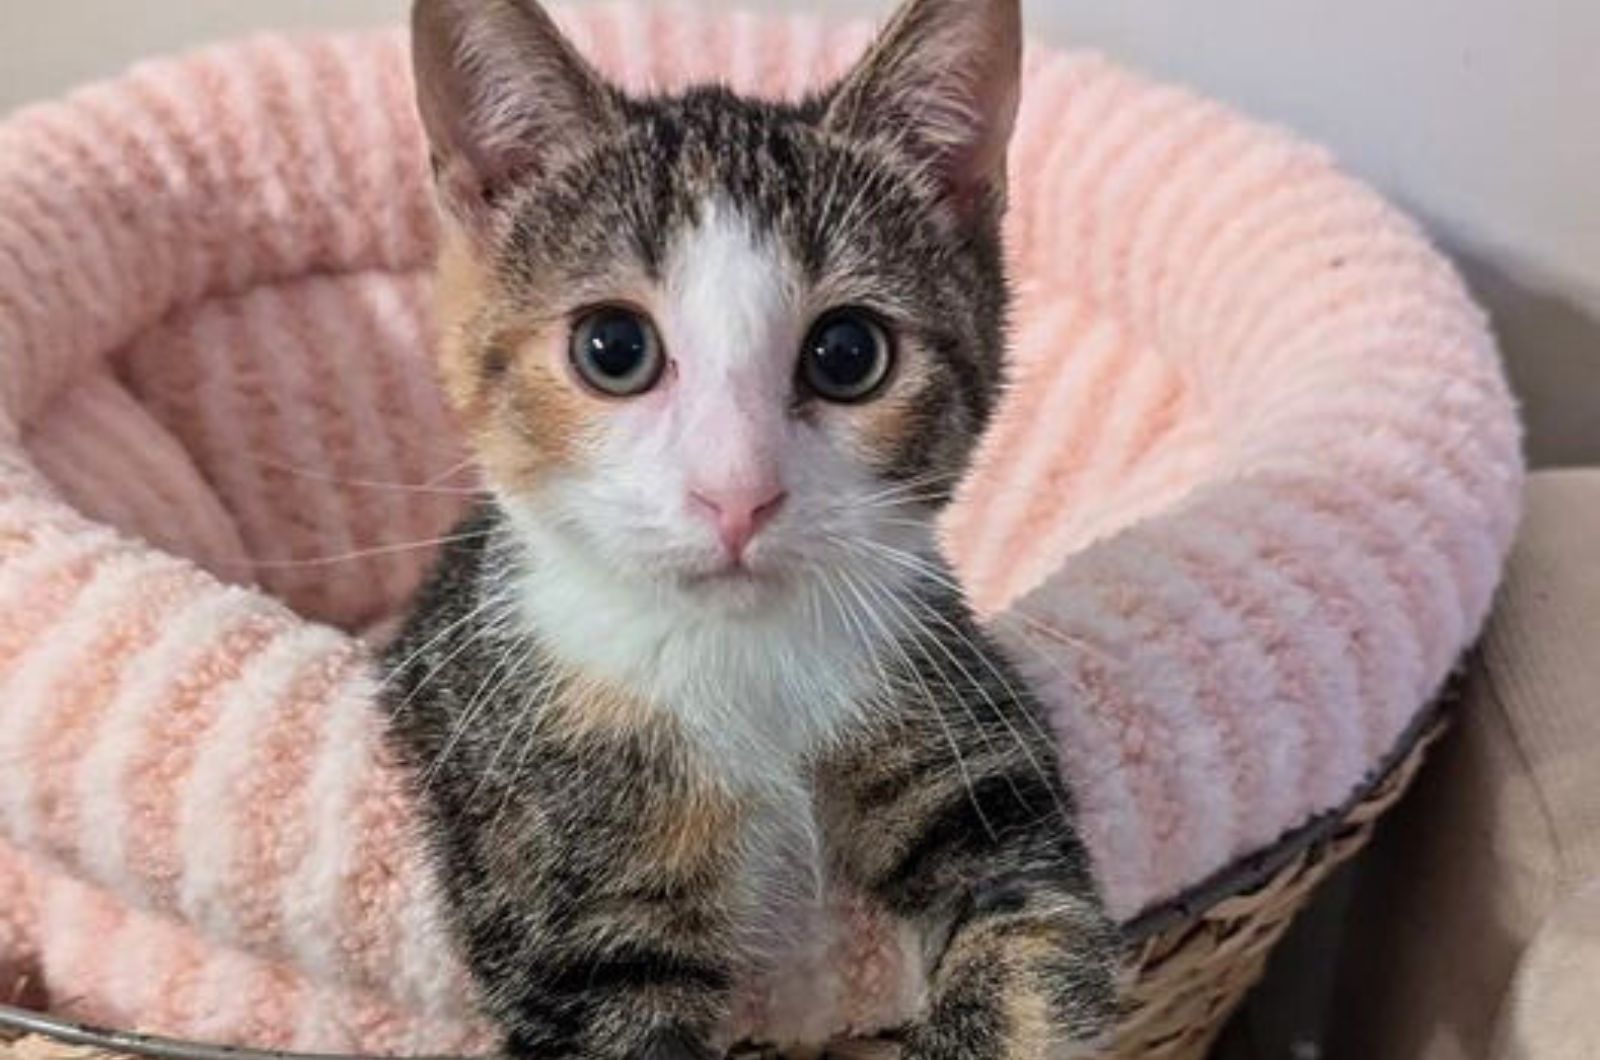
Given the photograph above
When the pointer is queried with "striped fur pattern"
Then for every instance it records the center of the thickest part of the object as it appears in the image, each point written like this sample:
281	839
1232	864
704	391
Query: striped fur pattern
1244	503
604	881
632	780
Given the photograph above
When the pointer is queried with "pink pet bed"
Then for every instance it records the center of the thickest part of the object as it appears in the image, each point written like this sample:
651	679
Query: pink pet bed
1244	507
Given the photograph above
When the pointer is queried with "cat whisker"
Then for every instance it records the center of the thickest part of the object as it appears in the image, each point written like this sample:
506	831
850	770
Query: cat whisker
480	698
896	496
880	670
1039	627
977	686
945	580
906	493
1029	623
429	487
466	463
348	557
881	594
491	628
933	707
966	674
396	669
524	723
1030	716
931	478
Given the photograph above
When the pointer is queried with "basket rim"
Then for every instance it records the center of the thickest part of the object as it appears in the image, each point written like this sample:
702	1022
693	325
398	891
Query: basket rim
1249	872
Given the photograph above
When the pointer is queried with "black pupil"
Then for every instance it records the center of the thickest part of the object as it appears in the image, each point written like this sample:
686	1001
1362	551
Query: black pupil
617	344
844	353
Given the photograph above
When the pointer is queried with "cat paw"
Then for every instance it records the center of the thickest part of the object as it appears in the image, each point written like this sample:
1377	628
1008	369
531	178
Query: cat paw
673	1044
757	1051
884	1048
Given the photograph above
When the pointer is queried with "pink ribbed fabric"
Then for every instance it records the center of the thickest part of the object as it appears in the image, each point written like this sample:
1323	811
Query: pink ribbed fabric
1244	505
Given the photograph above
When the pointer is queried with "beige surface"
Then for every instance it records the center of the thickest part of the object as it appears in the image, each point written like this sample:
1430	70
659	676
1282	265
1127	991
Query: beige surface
1550	1013
1502	830
1477	114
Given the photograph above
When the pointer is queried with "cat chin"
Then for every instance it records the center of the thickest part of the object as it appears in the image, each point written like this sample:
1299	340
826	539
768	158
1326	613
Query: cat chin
732	583
735	590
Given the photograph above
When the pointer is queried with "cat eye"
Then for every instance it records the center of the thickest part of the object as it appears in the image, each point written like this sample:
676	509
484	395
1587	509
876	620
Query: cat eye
615	350
846	357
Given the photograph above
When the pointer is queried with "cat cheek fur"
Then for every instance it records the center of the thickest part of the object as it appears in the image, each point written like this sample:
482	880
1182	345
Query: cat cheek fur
507	378
879	431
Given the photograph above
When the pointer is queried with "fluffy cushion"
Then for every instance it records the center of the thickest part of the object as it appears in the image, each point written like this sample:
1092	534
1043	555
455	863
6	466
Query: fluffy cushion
1245	504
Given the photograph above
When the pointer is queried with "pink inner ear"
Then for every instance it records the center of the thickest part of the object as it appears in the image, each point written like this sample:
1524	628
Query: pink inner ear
944	77
498	87
469	192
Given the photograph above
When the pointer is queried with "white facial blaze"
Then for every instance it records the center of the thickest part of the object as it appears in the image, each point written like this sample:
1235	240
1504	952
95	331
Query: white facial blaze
760	669
730	315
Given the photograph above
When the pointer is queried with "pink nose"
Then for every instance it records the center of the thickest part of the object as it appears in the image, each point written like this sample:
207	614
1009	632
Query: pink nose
738	514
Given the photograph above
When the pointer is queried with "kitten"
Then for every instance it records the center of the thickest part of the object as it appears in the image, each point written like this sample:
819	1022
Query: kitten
722	361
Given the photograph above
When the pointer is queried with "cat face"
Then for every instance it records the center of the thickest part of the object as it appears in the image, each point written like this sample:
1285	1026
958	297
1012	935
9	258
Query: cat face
712	343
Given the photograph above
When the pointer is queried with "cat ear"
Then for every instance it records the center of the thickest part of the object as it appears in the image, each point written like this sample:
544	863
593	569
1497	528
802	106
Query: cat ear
501	92
942	80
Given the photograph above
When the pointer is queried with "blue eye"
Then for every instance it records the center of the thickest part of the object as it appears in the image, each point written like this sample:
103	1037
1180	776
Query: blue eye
616	351
846	357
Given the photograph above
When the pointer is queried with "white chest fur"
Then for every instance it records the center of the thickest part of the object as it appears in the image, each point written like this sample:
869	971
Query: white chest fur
756	689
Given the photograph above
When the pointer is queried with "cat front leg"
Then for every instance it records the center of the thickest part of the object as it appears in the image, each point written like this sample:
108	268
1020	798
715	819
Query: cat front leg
630	962
639	999
608	934
591	879
949	813
1023	976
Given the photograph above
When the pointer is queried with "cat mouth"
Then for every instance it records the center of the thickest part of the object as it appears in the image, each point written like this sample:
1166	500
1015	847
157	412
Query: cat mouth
732	573
733	576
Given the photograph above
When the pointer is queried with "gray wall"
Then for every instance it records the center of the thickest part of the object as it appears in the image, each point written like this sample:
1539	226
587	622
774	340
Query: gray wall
1482	116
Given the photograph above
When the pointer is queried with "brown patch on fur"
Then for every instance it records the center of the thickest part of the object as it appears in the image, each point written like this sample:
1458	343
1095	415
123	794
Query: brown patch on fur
1008	956
969	952
1034	1029
588	708
1039	944
524	415
696	833
463	286
691	828
1031	1031
883	424
542	420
